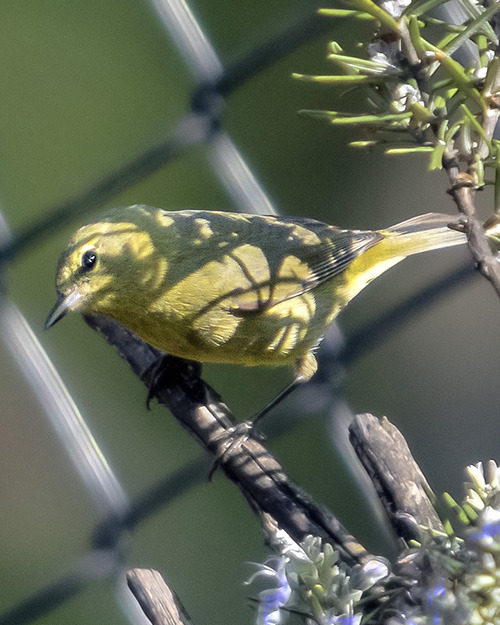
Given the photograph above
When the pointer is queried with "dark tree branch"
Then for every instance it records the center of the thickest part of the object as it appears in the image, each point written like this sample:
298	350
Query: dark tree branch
258	475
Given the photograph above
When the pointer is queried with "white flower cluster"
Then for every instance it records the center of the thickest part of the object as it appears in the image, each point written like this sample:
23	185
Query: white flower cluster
309	580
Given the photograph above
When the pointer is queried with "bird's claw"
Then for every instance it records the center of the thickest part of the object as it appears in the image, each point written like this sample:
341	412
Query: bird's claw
152	375
234	437
167	365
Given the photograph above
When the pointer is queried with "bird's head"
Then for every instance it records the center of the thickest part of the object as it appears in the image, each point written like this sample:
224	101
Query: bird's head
106	265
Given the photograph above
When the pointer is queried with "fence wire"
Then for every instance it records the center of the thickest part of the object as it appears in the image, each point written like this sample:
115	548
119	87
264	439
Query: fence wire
202	125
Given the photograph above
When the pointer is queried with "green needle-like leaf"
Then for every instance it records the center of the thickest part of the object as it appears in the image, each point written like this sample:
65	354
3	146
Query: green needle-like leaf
416	38
492	80
365	65
496	145
362	144
457	72
367	6
341	119
453	505
428	20
349	79
436	160
472	11
422	149
341	13
419	7
477	126
472	514
474	27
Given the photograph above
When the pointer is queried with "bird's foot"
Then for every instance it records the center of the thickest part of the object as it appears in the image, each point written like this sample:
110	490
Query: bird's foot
167	365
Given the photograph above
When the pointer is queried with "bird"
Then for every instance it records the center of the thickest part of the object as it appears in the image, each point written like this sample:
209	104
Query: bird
231	288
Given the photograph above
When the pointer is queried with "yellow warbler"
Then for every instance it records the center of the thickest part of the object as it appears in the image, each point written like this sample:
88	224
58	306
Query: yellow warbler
228	287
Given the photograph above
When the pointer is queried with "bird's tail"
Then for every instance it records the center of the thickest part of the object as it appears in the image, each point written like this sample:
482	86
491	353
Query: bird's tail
419	234
422	234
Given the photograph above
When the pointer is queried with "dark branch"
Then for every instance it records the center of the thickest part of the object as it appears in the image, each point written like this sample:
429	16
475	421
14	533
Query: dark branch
258	475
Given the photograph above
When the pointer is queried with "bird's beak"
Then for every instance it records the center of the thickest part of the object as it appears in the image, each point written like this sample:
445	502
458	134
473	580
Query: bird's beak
64	304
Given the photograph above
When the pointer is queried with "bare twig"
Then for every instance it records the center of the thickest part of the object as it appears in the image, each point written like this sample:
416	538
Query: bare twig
463	191
157	600
400	484
463	188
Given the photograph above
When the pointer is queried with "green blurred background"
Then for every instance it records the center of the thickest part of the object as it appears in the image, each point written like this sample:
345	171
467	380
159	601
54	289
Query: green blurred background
84	88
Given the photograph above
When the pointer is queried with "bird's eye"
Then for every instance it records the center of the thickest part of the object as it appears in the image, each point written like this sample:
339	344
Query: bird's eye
89	259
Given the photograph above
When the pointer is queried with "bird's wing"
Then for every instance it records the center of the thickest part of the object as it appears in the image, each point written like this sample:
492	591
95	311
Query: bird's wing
301	269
